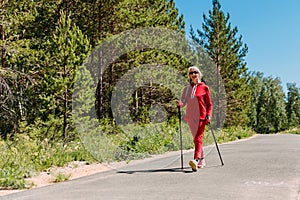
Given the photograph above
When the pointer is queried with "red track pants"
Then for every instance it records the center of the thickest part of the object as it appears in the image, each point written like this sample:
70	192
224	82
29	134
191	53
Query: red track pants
197	128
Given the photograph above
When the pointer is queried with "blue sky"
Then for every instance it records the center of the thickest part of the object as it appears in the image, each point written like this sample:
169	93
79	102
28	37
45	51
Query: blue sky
270	28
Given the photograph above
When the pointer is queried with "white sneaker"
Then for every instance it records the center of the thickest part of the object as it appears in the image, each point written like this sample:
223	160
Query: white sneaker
193	164
201	163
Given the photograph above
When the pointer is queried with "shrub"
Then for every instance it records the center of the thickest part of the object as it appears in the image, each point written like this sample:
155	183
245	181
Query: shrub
23	156
233	133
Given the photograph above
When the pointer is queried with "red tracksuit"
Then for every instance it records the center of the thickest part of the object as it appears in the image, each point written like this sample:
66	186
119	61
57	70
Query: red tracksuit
199	106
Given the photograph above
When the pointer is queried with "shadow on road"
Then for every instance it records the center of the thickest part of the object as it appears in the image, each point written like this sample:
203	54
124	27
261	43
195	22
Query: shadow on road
180	170
184	170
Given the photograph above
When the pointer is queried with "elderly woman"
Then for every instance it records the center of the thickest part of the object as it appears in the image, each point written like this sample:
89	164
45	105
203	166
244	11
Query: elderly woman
196	97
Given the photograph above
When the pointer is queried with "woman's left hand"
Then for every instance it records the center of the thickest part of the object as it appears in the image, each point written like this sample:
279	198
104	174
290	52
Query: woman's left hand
208	118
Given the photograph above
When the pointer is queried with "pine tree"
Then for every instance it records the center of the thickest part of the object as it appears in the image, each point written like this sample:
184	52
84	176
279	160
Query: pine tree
68	49
226	49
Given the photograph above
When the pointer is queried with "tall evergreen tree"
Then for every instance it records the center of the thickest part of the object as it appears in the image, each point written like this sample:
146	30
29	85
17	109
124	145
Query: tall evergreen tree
227	50
67	51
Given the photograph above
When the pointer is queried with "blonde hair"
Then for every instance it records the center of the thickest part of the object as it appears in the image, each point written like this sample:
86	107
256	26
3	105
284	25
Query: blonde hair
195	68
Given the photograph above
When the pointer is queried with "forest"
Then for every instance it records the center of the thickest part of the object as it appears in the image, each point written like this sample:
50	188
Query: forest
66	64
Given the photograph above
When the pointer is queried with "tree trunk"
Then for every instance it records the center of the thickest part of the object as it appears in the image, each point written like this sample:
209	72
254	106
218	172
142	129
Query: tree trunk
65	126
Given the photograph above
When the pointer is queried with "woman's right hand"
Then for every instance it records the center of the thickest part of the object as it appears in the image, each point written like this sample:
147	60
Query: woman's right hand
179	103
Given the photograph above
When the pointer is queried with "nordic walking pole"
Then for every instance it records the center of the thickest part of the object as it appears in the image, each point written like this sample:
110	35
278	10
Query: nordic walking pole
216	144
180	131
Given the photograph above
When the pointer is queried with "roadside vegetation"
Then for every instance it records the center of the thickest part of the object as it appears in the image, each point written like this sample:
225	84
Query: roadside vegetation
24	156
295	130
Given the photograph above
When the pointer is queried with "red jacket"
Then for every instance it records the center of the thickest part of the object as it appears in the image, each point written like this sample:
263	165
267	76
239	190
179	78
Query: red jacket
198	101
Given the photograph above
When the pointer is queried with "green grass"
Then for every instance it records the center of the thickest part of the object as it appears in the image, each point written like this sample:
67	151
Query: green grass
23	157
233	133
61	177
295	130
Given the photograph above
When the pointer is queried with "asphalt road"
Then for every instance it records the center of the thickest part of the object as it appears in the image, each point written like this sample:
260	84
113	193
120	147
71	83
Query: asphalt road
265	167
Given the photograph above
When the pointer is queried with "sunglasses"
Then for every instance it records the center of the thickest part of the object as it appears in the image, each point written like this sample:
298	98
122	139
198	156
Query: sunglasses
194	72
